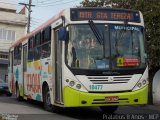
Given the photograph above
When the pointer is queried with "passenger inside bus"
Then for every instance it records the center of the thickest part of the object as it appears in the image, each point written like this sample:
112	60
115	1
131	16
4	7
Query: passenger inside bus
70	54
122	48
84	50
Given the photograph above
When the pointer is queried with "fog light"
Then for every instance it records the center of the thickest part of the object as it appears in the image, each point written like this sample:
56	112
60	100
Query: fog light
71	83
135	100
144	82
139	85
83	102
78	86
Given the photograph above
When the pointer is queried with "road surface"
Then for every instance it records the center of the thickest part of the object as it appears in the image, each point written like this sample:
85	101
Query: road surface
31	110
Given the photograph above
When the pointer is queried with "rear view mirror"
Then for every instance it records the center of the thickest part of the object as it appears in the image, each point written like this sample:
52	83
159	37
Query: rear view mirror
62	34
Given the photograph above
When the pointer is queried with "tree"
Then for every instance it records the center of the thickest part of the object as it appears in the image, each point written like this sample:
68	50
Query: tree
150	10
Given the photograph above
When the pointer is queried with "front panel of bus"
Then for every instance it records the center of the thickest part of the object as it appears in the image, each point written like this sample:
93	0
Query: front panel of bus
104	61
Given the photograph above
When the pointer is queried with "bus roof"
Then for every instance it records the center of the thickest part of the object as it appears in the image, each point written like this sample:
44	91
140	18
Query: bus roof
56	17
44	25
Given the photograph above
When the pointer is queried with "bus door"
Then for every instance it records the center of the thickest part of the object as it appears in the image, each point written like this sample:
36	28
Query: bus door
24	66
58	68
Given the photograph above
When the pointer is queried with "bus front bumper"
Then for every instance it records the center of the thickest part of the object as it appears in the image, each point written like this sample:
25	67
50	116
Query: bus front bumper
74	98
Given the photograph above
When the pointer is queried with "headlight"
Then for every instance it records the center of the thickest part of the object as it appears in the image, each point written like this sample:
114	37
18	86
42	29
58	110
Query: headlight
75	84
71	83
140	84
67	80
143	81
78	86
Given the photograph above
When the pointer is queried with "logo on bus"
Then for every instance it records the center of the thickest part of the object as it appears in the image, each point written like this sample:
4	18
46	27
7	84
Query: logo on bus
110	79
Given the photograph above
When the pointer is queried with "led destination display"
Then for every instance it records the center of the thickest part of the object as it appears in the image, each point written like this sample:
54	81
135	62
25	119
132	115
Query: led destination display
105	14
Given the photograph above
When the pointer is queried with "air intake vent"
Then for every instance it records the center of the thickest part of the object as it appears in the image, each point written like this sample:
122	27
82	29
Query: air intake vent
109	79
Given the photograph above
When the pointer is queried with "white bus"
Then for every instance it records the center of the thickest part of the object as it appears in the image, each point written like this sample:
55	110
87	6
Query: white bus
82	57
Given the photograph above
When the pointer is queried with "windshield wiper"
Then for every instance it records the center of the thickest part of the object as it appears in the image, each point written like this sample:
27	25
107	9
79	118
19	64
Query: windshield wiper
96	32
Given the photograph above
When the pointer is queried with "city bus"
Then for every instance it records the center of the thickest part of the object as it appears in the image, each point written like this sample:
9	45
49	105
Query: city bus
82	57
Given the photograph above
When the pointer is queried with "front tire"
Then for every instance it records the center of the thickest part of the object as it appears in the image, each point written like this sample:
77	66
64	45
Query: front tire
108	109
47	100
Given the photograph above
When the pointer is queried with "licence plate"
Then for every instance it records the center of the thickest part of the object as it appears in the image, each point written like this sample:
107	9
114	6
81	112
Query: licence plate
111	98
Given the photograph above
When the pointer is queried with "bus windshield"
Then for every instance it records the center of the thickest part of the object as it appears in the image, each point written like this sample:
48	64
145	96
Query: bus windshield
122	47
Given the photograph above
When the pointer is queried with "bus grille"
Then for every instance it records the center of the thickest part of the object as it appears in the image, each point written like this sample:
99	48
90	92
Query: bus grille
109	79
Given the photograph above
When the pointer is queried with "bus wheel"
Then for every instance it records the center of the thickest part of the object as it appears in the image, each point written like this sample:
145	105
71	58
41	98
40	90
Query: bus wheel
19	98
47	100
108	109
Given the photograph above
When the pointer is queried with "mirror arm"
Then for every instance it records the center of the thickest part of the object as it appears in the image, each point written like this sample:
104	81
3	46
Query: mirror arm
63	21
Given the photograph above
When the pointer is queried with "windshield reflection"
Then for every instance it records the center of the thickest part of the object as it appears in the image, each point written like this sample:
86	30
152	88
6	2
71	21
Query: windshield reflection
122	47
127	46
84	50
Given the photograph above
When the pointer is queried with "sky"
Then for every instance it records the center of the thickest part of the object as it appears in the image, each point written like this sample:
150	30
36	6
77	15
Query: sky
44	9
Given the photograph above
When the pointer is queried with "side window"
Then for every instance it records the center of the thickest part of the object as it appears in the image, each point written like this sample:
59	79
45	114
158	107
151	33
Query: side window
37	40
46	50
30	49
15	57
17	54
46	34
40	45
46	43
37	47
43	39
31	41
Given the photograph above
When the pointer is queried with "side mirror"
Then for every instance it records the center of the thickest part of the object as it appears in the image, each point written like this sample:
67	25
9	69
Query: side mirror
62	34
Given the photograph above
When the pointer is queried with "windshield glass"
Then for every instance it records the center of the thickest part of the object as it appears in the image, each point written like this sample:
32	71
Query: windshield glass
120	47
127	47
84	50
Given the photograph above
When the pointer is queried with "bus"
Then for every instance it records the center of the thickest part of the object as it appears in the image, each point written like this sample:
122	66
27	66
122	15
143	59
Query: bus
82	57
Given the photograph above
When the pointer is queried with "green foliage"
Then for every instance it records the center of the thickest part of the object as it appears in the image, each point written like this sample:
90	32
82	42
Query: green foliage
151	12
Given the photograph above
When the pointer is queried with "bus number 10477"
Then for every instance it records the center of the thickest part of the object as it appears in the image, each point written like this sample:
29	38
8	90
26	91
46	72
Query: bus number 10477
95	87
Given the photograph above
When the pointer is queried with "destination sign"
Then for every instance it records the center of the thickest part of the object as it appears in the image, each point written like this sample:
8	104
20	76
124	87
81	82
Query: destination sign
105	14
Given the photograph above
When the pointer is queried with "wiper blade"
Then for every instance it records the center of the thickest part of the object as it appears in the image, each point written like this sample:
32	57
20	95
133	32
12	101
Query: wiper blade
95	31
